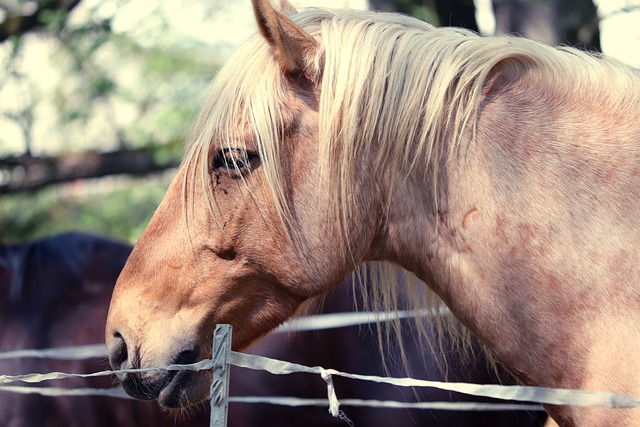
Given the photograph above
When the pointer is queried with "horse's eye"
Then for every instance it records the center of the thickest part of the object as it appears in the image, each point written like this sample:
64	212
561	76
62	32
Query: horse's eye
234	161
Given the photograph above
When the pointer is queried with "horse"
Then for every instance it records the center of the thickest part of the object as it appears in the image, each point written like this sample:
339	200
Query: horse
501	172
55	292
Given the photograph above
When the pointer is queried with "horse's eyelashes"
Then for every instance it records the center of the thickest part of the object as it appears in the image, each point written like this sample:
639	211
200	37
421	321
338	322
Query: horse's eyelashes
234	161
218	161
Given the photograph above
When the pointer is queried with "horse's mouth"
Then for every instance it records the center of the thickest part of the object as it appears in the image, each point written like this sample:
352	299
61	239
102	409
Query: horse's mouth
174	394
184	388
175	390
135	386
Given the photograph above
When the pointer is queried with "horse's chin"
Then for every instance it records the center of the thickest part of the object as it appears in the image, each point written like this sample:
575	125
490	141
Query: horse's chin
186	388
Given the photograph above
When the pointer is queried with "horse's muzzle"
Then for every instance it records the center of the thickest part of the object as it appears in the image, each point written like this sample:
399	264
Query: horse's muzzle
166	386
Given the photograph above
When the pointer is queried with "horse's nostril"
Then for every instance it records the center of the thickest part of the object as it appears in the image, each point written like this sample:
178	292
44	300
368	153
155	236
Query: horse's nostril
187	356
118	353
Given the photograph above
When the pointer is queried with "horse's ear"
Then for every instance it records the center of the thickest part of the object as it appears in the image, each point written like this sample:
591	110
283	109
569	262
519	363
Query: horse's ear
287	8
292	46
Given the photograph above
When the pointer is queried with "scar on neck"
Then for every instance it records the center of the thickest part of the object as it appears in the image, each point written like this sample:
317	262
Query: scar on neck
468	217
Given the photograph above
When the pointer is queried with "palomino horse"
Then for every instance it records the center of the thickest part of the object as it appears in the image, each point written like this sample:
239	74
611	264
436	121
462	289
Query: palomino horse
503	173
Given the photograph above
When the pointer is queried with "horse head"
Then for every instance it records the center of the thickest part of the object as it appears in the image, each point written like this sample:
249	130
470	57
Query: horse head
246	231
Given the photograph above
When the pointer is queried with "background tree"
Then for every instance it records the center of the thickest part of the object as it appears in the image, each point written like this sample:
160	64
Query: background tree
80	100
88	97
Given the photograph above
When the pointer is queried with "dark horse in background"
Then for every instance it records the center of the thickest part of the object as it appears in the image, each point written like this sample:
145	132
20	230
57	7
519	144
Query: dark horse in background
55	292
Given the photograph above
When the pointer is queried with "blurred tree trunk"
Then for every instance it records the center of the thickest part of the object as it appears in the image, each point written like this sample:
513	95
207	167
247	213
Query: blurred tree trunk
459	13
565	22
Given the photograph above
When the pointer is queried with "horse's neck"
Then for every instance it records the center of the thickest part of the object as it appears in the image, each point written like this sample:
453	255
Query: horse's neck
537	217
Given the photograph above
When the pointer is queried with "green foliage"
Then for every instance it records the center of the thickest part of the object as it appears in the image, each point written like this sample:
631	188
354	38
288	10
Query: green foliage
54	20
100	91
118	206
423	10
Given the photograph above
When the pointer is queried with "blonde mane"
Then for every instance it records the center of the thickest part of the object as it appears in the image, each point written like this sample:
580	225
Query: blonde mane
392	88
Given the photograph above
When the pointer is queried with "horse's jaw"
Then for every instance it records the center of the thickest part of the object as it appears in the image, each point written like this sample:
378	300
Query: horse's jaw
149	332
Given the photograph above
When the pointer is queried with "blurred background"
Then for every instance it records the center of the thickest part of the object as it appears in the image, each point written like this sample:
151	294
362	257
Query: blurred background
97	96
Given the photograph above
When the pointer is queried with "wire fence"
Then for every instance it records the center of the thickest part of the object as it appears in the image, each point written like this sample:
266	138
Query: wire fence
223	357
